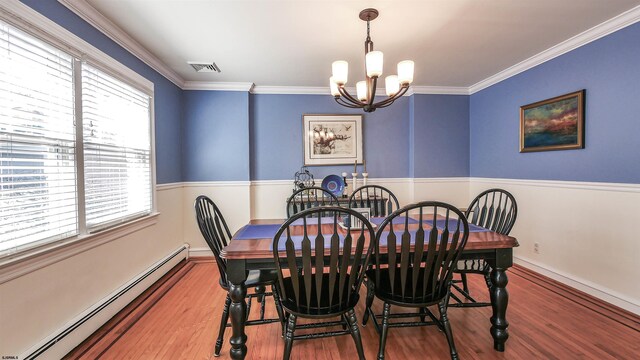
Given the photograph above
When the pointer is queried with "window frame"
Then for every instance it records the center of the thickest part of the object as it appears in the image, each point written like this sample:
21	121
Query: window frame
37	25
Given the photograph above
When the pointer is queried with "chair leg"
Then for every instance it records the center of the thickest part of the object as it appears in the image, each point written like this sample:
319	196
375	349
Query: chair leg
223	326
465	286
442	307
276	299
422	313
355	332
345	322
386	311
369	302
288	338
260	289
249	301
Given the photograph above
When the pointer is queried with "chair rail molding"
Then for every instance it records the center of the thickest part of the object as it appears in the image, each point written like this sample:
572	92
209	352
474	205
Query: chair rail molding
584	185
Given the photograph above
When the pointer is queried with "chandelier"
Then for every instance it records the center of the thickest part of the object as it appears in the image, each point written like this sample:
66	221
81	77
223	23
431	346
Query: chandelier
395	85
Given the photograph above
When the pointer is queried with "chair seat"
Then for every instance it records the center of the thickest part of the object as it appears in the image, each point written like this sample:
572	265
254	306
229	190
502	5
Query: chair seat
333	308
257	278
384	291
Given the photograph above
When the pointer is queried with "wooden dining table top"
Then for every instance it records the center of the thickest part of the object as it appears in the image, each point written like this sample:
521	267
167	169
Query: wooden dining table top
261	248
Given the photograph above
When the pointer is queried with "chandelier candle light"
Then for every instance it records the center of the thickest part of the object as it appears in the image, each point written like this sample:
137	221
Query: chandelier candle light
396	85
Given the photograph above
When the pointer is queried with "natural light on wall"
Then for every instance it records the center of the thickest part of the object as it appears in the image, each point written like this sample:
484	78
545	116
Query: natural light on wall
40	191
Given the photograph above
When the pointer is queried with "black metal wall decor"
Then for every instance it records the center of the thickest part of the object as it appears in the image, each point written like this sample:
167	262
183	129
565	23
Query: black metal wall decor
303	179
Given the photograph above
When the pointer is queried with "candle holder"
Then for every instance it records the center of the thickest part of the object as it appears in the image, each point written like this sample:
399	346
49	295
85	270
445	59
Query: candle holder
355	181
346	185
365	175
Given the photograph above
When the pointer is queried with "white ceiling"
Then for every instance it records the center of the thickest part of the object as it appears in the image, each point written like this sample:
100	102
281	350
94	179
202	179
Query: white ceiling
292	43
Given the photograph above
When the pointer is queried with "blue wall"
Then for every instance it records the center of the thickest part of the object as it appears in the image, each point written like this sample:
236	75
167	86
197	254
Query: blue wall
237	136
276	136
440	136
168	97
422	135
215	136
609	70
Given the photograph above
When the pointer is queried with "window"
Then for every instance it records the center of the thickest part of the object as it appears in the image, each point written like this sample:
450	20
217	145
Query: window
117	149
75	145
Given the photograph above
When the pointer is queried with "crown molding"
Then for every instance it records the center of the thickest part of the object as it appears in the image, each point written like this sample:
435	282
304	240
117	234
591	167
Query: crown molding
439	90
298	90
92	16
100	22
614	24
217	86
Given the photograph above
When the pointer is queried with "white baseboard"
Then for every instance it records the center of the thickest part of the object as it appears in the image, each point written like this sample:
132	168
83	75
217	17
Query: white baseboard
200	252
65	339
586	286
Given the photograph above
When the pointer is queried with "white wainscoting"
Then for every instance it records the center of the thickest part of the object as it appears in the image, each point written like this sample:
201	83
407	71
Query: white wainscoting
266	199
584	230
234	200
38	303
586	233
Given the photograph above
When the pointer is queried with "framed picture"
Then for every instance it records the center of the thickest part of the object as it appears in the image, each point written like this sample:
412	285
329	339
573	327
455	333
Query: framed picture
553	124
332	139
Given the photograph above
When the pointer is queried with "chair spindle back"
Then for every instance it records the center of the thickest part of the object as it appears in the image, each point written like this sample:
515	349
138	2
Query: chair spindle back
309	198
494	209
421	256
215	231
380	200
324	263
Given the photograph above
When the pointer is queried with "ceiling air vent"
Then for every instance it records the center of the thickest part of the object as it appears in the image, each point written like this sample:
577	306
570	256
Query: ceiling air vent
204	67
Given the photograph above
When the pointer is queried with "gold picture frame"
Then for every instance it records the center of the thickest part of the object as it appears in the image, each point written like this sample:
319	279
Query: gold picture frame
553	124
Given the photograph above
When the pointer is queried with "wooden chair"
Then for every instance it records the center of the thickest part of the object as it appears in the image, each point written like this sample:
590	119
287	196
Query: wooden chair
217	235
321	272
494	209
309	198
418	277
380	200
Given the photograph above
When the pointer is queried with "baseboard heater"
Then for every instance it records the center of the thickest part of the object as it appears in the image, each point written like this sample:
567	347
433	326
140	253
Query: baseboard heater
62	334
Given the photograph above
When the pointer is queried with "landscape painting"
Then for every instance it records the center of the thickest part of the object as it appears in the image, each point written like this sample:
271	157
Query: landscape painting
553	124
332	139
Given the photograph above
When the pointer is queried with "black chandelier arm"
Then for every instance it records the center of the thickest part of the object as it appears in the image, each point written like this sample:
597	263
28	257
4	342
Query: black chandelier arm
372	84
348	96
391	99
341	101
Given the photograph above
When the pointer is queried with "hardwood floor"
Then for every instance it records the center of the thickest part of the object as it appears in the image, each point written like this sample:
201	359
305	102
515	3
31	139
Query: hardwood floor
178	319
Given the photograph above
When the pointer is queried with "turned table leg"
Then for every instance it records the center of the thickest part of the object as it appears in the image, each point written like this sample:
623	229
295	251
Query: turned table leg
238	309
500	297
499	301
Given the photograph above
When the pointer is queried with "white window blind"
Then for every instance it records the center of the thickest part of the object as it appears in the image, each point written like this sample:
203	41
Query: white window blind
37	136
117	149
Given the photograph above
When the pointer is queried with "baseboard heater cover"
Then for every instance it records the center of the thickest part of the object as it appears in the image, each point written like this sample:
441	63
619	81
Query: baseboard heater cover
63	333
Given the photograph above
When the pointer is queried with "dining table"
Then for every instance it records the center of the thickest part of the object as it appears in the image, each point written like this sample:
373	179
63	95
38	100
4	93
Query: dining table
251	249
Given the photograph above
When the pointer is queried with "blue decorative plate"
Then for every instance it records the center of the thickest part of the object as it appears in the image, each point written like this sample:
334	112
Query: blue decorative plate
333	184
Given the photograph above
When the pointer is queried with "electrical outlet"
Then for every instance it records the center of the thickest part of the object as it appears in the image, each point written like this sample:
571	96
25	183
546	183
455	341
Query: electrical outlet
536	248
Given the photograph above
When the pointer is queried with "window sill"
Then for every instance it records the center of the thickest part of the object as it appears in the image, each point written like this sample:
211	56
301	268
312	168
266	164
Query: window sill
15	265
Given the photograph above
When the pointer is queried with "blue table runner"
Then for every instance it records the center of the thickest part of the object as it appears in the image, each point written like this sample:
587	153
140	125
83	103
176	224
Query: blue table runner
268	231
